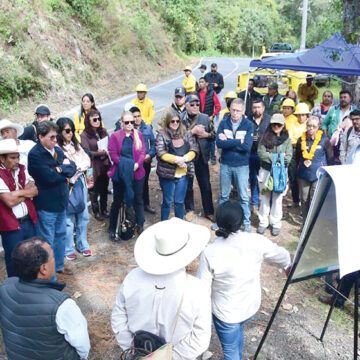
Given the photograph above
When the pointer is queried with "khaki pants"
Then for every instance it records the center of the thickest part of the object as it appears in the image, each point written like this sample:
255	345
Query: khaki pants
307	190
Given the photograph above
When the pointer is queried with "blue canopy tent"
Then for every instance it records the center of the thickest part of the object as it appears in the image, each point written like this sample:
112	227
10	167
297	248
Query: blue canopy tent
333	56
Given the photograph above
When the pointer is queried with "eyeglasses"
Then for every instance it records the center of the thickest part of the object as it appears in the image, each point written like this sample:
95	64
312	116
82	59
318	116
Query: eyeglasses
68	131
312	126
132	122
52	138
175	121
194	104
95	119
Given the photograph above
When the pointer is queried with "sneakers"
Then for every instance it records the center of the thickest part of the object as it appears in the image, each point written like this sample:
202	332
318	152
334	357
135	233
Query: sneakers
293	205
247	228
87	253
275	232
71	257
261	230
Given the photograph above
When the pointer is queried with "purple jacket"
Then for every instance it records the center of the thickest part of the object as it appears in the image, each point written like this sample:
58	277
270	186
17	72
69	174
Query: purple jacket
115	149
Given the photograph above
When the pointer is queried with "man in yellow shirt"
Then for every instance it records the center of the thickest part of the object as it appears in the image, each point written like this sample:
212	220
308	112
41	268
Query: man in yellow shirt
145	105
295	126
308	92
189	82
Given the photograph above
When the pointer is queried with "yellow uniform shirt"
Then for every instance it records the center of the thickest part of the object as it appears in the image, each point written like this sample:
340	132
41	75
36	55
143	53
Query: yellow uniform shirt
308	94
189	83
294	128
147	110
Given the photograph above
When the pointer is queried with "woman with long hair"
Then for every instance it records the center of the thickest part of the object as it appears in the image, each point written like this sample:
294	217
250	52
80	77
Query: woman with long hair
127	152
93	132
176	148
73	151
230	267
275	140
87	103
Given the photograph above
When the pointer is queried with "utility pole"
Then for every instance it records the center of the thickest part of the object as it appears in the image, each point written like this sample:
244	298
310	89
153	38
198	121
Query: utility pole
303	24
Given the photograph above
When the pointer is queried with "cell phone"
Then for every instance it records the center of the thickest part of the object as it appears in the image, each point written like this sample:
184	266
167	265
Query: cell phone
89	172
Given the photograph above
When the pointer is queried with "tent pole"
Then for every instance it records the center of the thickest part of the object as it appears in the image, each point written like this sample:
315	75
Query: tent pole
246	90
356	316
293	268
330	311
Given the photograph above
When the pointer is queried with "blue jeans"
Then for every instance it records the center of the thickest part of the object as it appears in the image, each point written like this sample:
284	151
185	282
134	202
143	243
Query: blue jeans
11	238
80	222
254	167
241	177
174	191
52	227
231	337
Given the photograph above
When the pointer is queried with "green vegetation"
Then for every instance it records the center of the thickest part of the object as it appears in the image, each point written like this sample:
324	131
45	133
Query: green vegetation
48	44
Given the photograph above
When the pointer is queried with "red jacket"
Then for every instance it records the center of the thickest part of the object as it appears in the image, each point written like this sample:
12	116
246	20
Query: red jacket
8	221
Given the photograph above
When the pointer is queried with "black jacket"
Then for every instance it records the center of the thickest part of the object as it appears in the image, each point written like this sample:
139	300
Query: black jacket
30	132
53	190
250	98
216	78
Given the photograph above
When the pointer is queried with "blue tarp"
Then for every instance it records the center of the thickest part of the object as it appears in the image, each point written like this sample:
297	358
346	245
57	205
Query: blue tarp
333	56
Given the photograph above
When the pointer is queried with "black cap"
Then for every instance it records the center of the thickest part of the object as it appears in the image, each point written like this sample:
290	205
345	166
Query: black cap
134	109
203	66
214	65
180	91
42	110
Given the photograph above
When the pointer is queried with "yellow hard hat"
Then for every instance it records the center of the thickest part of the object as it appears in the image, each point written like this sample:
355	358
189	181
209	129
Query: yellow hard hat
141	87
230	95
301	108
288	102
186	68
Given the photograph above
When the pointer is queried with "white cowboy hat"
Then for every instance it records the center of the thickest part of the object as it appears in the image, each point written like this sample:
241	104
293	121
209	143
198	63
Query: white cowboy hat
8	146
5	124
169	246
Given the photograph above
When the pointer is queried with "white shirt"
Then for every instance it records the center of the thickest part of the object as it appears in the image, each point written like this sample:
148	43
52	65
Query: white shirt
72	324
150	302
24	147
19	210
231	270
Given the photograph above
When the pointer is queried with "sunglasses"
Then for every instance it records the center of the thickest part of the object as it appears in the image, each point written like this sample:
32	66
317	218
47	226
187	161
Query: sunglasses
132	122
194	104
175	121
277	125
68	131
52	138
95	119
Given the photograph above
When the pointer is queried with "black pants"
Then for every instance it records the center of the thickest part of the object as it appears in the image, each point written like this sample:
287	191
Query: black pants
347	283
118	195
146	198
101	188
292	179
203	177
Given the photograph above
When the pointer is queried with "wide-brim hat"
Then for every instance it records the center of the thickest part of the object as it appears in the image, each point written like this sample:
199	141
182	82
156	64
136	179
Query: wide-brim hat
170	245
8	146
6	124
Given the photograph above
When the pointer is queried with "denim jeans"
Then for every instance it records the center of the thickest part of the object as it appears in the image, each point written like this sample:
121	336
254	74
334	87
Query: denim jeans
174	191
11	238
254	167
241	177
203	178
231	337
51	226
80	222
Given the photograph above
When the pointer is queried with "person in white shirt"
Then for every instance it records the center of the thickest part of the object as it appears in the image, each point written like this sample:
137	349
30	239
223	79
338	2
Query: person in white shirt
230	267
10	130
37	320
152	295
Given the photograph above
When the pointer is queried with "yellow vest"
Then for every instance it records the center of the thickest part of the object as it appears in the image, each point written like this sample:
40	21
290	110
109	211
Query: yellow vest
189	83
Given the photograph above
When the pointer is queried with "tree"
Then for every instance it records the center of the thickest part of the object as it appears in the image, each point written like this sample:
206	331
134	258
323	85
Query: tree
351	31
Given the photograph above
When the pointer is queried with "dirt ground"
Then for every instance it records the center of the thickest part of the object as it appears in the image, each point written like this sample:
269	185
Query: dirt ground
294	333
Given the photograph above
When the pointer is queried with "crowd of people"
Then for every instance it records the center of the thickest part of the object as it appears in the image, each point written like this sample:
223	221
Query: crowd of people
49	169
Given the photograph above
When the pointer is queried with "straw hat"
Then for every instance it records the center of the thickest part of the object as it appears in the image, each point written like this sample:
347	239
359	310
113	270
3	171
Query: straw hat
5	124
8	146
169	246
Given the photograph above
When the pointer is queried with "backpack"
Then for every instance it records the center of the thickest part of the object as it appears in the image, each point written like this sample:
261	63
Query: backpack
279	173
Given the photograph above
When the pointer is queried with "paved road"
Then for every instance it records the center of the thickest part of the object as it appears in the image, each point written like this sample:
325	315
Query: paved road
162	94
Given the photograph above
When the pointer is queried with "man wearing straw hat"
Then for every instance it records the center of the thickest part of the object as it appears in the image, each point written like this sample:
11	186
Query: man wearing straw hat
159	297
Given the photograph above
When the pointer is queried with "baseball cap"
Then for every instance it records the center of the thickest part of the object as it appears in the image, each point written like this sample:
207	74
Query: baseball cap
192	97
42	110
277	119
180	91
134	109
214	65
273	85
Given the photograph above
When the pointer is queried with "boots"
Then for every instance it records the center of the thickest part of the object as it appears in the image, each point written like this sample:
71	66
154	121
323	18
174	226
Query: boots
95	205
103	206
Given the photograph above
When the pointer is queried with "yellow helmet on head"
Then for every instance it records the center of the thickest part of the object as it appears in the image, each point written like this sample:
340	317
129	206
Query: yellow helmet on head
288	102
230	95
141	87
187	68
302	108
